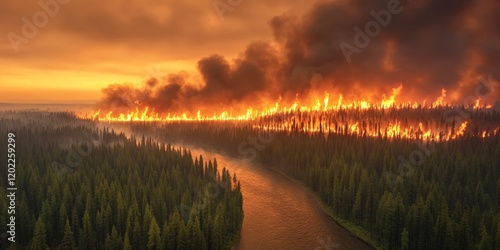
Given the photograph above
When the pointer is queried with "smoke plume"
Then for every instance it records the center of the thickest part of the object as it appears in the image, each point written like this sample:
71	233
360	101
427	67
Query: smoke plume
424	45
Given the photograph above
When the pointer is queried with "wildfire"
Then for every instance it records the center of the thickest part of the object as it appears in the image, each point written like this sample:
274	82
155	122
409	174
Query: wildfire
359	117
392	100
440	100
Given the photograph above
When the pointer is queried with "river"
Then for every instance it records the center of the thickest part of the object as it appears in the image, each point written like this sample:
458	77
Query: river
279	214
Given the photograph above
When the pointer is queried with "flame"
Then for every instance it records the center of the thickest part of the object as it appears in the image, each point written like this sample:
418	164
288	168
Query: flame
387	103
364	104
339	102
354	128
476	105
461	130
317	107
440	101
96	115
294	106
358	117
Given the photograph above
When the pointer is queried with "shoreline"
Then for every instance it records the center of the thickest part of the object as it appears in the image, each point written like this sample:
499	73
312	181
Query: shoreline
357	231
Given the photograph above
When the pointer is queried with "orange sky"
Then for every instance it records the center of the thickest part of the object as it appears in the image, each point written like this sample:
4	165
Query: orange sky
86	45
68	50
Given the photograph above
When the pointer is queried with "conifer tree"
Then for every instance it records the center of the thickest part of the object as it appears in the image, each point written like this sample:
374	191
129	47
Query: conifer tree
154	239
39	241
68	241
87	236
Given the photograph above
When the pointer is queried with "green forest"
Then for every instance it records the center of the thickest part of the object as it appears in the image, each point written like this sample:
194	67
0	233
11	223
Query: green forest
448	199
84	187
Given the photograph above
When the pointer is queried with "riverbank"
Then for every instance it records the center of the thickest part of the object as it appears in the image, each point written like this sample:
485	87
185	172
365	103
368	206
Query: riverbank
236	236
354	229
280	212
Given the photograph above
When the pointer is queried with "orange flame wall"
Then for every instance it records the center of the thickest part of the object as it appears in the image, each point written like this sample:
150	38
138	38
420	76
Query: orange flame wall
388	118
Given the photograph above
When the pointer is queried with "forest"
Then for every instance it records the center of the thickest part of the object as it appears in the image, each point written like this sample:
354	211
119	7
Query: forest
395	193
84	185
81	186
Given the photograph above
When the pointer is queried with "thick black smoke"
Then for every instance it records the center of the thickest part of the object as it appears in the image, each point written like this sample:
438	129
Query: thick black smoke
358	48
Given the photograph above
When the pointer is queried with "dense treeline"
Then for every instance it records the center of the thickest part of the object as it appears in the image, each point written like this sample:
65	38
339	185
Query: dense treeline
411	122
122	193
449	198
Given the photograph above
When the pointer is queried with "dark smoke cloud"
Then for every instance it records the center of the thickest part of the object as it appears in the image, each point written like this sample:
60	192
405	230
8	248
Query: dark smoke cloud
428	46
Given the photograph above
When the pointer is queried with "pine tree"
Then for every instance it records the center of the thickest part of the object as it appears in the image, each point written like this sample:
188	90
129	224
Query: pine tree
26	221
217	241
113	241
146	222
465	234
183	238
172	232
100	234
195	234
404	239
108	242
126	242
497	235
63	216
485	242
440	229
137	234
75	223
165	236
154	239
68	242
87	237
449	242
39	241
46	215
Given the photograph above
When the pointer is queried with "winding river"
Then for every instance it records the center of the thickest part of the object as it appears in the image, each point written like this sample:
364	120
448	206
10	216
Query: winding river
279	214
